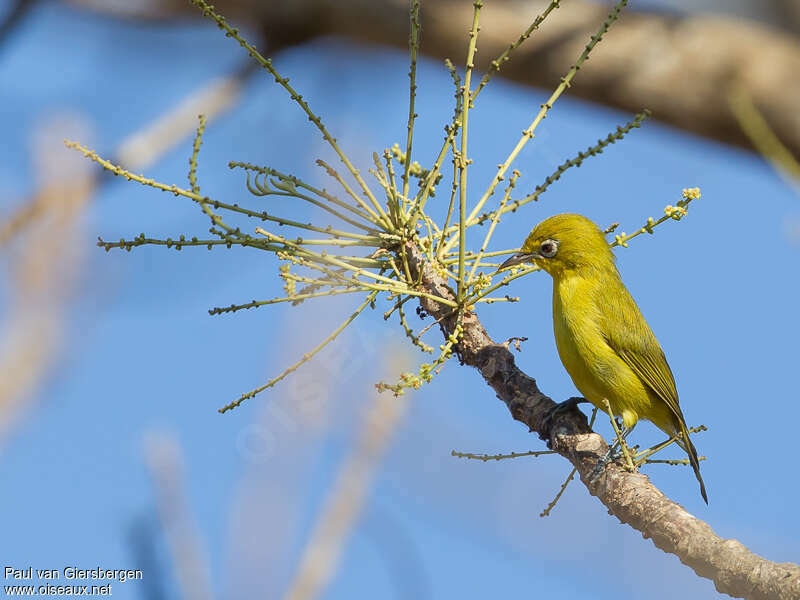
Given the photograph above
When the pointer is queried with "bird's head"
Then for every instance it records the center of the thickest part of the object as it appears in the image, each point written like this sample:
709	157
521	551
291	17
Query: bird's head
563	243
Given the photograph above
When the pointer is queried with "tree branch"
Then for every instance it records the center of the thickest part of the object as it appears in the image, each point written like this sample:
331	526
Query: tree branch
789	13
681	67
630	497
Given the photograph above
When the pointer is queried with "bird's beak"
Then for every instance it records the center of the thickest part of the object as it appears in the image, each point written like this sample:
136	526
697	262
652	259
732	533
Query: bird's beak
518	259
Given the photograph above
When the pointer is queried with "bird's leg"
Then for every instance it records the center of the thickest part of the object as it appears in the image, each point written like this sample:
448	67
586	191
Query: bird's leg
625	449
620	447
620	443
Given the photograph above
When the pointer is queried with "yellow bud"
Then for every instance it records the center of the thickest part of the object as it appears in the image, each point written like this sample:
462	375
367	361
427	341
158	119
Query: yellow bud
691	193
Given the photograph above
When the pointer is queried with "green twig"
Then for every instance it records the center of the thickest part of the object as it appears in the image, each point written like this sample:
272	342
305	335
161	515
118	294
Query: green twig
297	298
179	243
198	140
488	457
413	44
528	134
306	357
288	185
572	162
410	333
676	213
379	220
208	11
496	64
549	508
463	160
512	181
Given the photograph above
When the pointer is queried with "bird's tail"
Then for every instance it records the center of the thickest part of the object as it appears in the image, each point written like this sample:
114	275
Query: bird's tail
690	450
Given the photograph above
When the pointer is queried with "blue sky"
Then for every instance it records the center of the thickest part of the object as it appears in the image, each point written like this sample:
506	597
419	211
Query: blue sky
142	358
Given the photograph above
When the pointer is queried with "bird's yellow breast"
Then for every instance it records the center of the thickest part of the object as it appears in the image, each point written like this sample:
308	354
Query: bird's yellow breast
581	310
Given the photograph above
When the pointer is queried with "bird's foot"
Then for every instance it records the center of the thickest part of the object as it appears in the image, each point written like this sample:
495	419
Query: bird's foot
609	457
561	407
615	453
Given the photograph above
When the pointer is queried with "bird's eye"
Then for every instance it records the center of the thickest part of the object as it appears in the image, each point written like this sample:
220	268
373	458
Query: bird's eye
548	248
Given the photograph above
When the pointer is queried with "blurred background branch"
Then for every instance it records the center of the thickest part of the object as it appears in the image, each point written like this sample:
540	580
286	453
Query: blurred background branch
677	64
40	236
349	493
42	261
164	458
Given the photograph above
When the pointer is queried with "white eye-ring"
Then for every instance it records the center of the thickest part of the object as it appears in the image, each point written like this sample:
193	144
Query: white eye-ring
548	248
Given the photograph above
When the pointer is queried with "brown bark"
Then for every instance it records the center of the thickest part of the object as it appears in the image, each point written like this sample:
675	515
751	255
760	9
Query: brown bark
680	67
630	497
789	12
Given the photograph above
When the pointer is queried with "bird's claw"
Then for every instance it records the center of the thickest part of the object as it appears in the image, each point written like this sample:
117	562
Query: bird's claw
561	407
611	456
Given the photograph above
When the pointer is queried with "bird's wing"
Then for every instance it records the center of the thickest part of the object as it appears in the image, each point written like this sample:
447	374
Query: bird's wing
635	344
627	333
652	368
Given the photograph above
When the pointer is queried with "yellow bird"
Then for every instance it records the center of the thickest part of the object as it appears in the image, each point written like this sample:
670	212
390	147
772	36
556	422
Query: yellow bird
603	340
